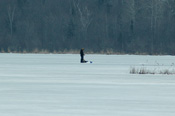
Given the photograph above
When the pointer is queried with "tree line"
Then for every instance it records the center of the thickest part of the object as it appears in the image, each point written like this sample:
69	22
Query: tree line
99	26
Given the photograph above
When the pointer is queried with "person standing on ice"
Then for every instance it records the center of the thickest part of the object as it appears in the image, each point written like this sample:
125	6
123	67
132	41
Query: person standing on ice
82	56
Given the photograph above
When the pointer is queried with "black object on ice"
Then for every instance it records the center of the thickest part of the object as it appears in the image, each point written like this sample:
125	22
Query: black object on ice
82	56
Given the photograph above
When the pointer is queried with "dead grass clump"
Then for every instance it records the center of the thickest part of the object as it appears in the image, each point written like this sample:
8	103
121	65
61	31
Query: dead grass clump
143	70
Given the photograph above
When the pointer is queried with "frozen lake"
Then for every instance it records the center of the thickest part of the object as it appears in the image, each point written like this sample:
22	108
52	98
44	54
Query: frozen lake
58	85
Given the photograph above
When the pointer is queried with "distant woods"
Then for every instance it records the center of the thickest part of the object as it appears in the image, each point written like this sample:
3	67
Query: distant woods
99	26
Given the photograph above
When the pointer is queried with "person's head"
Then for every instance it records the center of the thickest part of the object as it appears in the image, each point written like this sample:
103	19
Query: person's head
82	48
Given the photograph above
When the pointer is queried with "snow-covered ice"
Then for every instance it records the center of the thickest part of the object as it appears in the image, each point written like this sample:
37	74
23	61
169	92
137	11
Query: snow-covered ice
58	85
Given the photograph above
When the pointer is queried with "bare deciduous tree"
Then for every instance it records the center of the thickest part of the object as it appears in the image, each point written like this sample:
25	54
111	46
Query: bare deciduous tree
85	14
11	12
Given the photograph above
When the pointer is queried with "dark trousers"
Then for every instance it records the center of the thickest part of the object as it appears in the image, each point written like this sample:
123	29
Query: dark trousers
82	60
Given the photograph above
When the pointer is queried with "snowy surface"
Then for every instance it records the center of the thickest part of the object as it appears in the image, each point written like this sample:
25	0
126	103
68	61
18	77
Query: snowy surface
58	85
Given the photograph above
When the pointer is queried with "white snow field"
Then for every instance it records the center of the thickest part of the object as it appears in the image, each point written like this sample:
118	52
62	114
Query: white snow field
59	85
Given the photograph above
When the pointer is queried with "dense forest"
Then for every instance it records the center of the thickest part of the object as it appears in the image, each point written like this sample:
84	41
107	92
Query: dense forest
99	26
